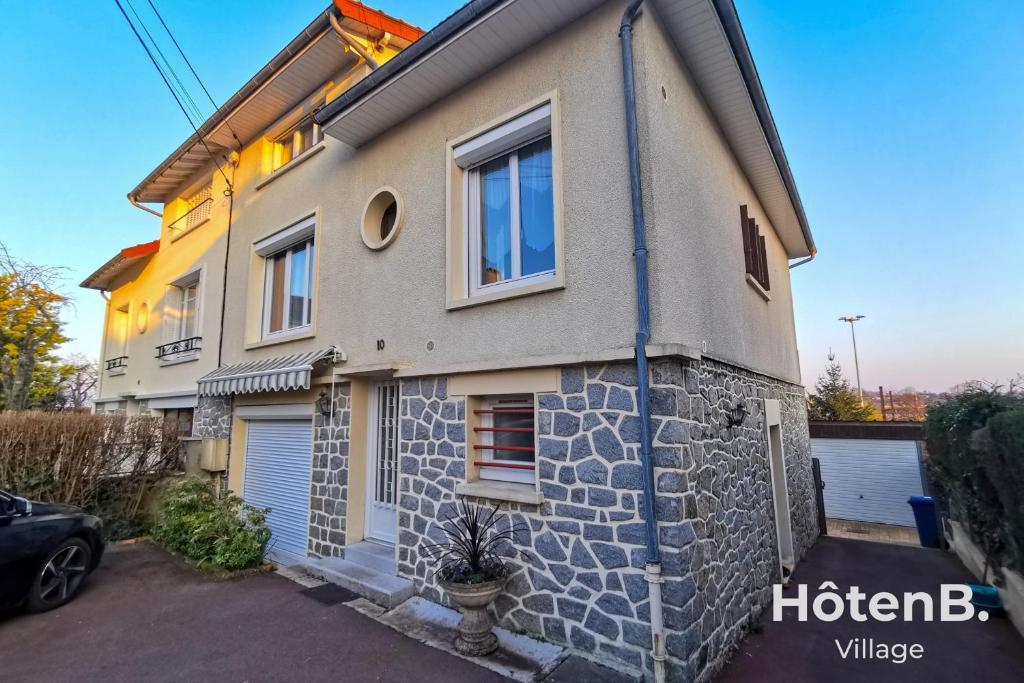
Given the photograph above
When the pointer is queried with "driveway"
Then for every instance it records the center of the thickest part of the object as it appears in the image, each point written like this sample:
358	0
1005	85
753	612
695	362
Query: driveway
146	617
790	651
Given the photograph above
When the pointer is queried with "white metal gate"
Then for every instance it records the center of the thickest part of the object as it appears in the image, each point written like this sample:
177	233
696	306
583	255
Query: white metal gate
869	480
278	457
382	463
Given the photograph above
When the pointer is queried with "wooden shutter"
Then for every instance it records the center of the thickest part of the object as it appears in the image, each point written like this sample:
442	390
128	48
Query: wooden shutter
748	252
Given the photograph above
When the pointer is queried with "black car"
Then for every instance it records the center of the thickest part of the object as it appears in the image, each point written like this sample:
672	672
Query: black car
46	551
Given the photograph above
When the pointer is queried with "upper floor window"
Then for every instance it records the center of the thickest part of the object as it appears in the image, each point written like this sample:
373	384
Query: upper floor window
299	139
754	253
181	320
504	440
188	309
510	204
288	278
197	207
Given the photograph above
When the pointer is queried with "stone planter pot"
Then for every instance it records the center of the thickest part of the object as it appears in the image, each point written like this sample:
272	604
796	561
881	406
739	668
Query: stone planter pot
475	637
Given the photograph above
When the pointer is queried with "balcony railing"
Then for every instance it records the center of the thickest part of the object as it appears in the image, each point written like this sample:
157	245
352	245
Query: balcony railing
117	364
196	215
179	348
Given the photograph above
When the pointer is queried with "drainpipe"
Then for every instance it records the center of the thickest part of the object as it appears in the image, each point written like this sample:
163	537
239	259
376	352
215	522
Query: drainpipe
353	43
803	261
643	333
136	204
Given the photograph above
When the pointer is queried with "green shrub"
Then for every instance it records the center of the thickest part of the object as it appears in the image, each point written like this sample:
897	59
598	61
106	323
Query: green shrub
976	457
215	532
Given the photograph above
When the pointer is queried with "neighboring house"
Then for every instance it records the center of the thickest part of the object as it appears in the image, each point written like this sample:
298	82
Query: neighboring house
431	295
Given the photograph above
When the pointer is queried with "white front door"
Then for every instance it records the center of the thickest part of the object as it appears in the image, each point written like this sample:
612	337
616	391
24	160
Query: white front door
382	463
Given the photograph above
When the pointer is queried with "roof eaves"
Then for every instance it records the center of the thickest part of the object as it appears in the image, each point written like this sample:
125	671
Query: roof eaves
454	23
727	15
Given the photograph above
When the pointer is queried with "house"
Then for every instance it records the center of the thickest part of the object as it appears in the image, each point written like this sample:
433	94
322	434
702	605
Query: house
432	265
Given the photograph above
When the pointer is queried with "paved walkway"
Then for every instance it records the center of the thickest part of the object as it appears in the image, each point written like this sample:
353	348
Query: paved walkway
143	616
879	533
989	652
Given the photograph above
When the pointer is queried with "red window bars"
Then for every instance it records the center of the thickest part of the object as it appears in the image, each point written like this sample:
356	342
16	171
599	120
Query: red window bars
500	428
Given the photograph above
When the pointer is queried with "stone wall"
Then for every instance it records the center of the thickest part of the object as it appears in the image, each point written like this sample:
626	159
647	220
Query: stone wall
212	418
328	489
579	578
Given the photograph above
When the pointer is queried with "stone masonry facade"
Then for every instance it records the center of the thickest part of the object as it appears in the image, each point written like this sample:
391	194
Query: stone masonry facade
212	418
328	489
580	554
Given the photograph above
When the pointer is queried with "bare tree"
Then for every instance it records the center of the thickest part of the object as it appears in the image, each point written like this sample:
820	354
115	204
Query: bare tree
78	384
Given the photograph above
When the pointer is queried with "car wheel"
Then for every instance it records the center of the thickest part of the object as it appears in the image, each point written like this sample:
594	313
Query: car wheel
61	576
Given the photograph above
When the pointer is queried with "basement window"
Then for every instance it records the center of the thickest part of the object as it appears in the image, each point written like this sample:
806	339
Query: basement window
504	448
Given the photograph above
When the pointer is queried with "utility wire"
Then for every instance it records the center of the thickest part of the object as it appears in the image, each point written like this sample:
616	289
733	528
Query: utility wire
167	65
190	67
181	106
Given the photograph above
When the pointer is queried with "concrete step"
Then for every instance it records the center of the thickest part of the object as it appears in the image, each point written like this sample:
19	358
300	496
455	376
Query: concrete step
386	590
376	556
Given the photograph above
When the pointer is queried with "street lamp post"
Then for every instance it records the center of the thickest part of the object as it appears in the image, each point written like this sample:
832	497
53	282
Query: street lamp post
856	362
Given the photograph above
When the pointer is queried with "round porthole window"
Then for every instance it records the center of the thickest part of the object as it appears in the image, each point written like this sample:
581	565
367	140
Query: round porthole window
142	317
382	218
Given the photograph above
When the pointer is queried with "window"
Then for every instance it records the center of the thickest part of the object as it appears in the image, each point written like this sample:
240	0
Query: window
179	421
511	217
117	343
288	305
504	448
504	226
754	253
299	139
197	208
188	310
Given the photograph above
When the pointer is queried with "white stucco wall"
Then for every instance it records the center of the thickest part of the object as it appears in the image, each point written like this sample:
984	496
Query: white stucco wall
694	190
202	248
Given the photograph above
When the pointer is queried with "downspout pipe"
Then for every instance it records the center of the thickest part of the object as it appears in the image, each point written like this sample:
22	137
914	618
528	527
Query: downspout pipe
643	333
803	261
353	43
136	204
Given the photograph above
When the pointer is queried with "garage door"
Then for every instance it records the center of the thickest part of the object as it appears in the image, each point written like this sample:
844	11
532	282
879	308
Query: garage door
277	464
869	480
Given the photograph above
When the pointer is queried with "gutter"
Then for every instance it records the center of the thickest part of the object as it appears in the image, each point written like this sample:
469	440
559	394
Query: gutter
136	204
652	569
454	23
314	29
741	50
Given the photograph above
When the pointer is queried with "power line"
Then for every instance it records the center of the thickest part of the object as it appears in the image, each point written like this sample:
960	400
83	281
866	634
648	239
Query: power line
163	77
167	64
182	53
190	67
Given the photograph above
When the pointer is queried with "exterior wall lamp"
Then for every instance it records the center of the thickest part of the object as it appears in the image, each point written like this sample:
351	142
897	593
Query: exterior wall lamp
323	404
737	414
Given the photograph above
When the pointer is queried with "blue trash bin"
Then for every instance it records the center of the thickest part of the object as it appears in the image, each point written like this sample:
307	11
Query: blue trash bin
927	523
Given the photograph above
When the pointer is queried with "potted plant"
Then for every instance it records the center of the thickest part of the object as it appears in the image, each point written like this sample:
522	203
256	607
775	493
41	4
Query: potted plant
470	569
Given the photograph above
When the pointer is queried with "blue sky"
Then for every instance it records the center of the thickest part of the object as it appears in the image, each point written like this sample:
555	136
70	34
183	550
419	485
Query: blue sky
901	122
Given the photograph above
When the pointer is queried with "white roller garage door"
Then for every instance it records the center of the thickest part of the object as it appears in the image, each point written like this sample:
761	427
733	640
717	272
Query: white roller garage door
278	457
869	480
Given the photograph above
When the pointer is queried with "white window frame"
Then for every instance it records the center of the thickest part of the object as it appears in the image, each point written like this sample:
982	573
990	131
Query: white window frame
518	476
506	139
289	139
182	285
302	232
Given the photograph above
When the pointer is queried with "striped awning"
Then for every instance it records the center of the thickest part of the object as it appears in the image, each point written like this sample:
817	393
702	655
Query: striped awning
270	374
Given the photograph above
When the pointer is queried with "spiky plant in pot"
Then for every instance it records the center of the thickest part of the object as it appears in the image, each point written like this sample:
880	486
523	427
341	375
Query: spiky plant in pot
470	568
